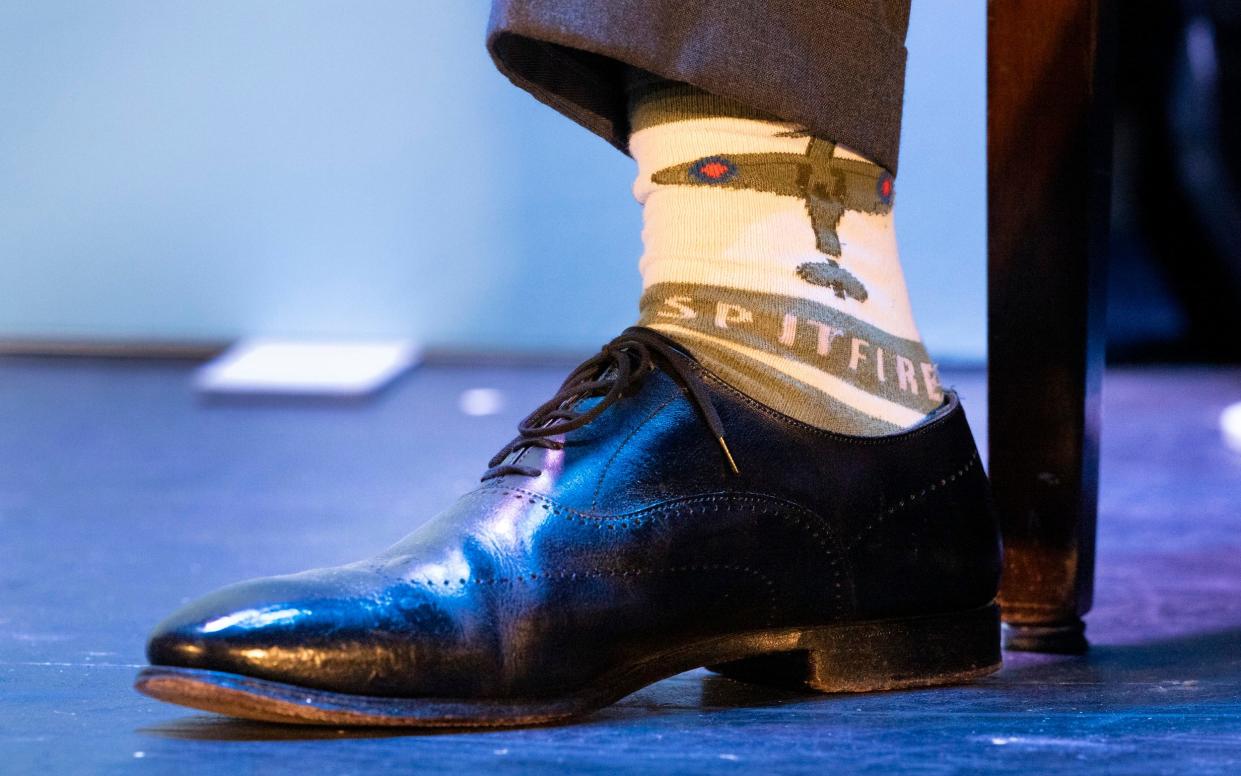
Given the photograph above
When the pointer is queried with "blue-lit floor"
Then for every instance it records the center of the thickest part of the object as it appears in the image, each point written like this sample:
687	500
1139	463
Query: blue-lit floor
121	495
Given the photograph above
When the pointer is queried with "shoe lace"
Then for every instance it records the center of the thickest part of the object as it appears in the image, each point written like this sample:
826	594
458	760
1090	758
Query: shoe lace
621	363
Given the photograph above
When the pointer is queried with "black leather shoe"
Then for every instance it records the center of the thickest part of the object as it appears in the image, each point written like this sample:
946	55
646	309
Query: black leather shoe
649	519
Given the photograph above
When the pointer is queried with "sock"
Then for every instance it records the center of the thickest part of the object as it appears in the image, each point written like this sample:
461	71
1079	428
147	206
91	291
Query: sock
770	255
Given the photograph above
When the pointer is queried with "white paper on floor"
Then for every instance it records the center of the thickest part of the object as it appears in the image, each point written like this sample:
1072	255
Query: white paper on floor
1230	425
302	368
480	402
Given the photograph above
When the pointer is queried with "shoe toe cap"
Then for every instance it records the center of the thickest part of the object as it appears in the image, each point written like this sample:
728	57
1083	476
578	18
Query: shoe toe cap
324	629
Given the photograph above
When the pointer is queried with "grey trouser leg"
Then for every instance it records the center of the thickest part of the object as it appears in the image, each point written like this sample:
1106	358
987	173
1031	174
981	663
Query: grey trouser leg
835	66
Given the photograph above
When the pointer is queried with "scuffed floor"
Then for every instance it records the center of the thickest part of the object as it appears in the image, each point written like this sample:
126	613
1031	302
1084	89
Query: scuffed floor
122	495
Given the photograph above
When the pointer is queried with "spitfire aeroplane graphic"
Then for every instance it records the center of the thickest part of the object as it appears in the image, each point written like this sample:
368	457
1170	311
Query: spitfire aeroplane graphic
828	185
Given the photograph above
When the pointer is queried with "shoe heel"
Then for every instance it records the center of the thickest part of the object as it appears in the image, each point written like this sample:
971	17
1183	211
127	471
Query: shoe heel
882	655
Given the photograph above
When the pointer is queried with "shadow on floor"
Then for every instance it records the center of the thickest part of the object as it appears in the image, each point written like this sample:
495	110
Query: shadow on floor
1139	674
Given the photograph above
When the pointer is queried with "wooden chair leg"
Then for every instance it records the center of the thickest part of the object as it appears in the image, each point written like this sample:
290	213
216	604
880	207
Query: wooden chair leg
1048	178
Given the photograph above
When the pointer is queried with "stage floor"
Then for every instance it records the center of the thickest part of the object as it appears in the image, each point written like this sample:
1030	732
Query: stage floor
122	495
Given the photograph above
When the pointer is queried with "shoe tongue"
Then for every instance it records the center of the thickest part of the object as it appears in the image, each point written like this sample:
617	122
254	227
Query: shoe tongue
674	345
582	404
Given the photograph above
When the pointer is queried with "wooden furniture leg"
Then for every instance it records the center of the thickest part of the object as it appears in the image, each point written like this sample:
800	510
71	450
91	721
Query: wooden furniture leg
1048	178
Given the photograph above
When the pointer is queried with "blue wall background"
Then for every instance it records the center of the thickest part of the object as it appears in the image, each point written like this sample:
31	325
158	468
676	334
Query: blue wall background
190	171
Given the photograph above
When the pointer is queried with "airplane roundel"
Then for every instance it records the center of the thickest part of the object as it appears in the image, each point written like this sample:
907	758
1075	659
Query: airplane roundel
885	187
713	169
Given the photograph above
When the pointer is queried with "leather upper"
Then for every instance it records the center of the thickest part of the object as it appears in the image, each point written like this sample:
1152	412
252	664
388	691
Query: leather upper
636	539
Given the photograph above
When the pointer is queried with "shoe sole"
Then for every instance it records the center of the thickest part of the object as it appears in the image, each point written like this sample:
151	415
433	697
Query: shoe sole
870	656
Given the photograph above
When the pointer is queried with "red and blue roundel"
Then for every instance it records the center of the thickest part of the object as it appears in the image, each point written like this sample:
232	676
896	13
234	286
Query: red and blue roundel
885	187
713	169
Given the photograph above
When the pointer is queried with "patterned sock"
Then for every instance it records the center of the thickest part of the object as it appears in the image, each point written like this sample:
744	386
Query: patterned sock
771	256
